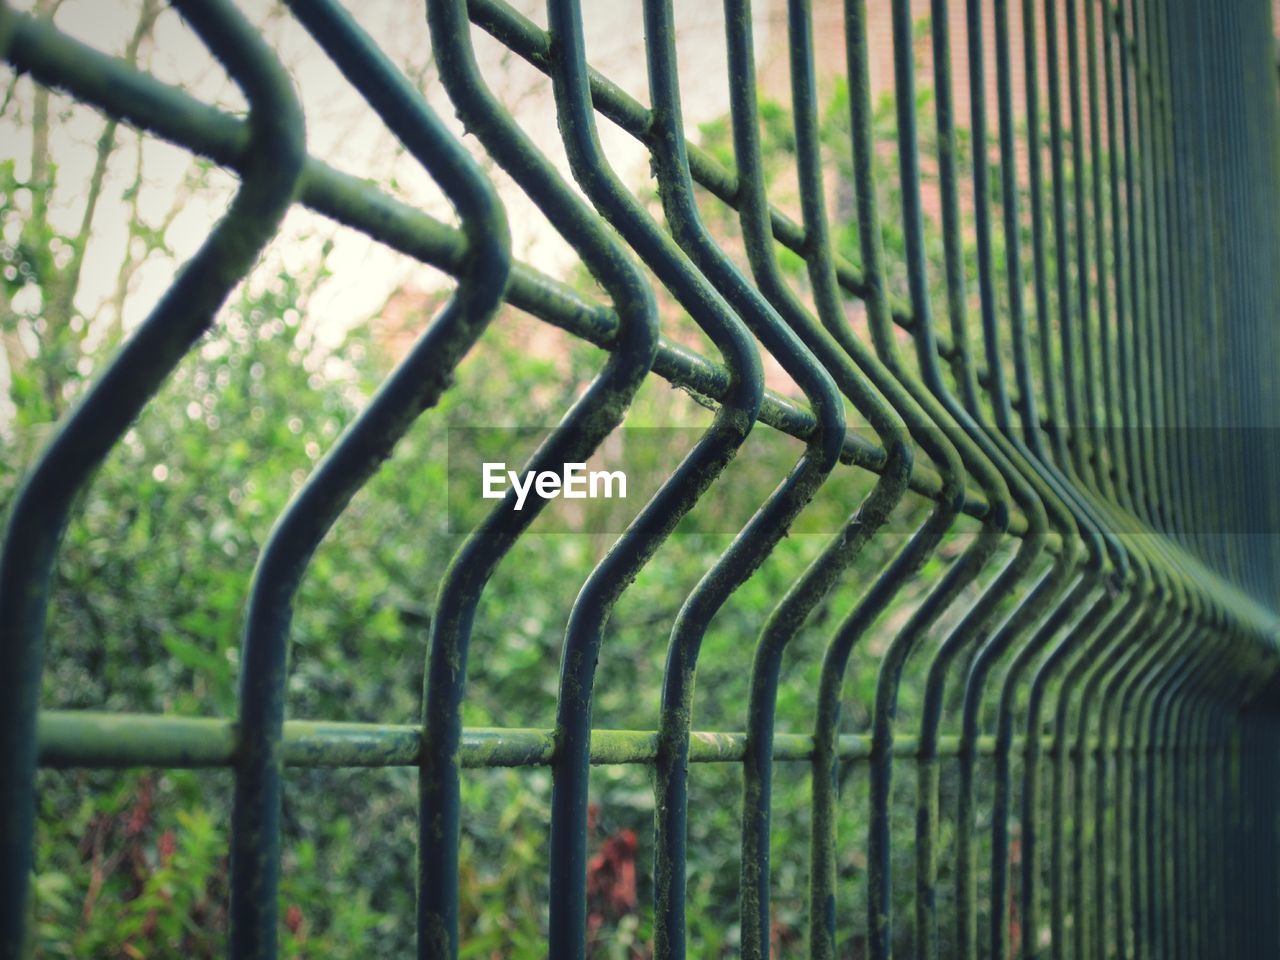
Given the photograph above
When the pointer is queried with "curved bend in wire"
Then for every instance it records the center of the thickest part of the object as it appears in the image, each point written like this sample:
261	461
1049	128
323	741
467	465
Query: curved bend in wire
40	507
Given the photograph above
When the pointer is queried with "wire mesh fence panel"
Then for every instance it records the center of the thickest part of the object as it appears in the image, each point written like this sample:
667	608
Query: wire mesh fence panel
1005	300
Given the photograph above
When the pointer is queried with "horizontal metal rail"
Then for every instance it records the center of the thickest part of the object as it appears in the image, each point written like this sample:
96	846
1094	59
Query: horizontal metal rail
80	738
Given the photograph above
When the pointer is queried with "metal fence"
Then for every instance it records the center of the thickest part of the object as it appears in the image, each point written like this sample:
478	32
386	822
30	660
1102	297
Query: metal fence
1107	436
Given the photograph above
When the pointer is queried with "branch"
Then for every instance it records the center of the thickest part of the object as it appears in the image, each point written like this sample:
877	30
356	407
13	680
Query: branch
154	237
9	91
69	281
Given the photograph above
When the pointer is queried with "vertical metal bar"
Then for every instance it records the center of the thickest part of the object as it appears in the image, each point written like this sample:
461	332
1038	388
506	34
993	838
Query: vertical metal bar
973	626
879	884
769	524
415	385
821	575
1138	196
1088	428
1116	700
1008	152
1157	305
1053	423
1167	657
1029	417
1046	593
1149	799
1076	639
1204	888
907	561
1073	433
569	795
595	414
1181	689
1019	469
1087	836
1130	318
41	505
1178	273
1104	254
1183	118
905	564
1172	708
1125	626
1185	814
1121	424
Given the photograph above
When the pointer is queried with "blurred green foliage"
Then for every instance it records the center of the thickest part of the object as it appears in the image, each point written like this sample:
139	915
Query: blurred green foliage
149	592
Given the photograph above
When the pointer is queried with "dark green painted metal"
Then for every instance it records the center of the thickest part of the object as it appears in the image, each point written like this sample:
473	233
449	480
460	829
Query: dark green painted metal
414	386
68	739
39	510
173	115
975	624
590	611
1118	672
976	452
821	576
592	418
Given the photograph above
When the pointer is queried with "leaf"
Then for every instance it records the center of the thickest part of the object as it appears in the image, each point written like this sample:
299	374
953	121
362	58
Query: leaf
204	662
